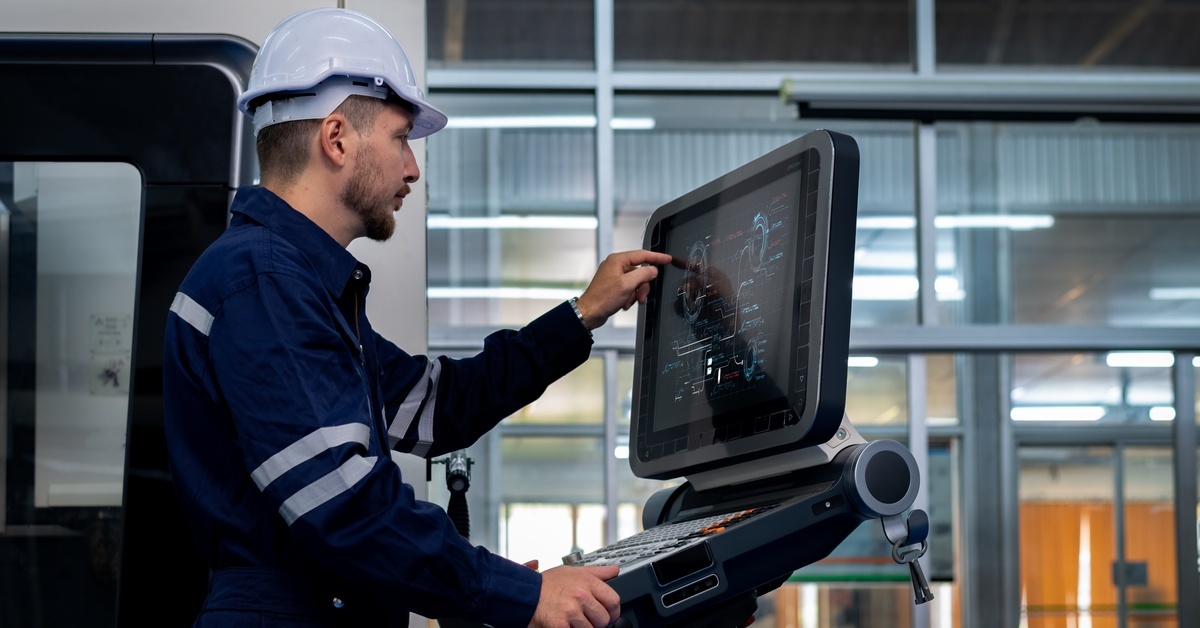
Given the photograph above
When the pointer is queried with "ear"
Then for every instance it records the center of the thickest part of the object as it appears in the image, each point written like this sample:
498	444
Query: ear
334	136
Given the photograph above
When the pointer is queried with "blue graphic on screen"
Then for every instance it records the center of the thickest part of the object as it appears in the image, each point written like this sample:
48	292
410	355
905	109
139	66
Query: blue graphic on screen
731	286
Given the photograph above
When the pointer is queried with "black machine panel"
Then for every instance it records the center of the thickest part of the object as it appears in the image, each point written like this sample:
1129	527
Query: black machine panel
743	342
166	104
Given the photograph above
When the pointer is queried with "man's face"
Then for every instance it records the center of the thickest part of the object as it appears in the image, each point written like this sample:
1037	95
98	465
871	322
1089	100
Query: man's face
384	165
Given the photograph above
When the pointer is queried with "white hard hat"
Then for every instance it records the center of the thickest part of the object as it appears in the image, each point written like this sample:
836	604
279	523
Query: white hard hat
311	61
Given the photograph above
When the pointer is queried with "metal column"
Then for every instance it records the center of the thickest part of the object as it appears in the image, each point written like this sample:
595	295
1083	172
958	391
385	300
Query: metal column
1184	375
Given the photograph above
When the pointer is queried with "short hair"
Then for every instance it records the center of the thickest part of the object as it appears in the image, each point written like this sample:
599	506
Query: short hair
283	148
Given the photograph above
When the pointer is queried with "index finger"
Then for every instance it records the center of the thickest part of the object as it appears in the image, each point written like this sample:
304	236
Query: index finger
642	256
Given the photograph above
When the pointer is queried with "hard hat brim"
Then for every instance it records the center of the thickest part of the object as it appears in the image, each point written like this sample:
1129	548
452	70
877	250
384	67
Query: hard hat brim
320	100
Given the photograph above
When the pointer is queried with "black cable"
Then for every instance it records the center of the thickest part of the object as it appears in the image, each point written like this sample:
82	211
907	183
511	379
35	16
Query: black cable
457	509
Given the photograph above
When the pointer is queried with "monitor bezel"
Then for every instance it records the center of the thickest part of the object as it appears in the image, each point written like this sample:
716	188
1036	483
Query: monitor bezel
828	338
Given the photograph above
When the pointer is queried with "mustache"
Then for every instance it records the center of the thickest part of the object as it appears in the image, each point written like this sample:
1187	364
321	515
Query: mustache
405	190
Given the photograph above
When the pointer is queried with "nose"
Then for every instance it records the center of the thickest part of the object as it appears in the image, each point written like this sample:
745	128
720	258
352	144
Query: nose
412	172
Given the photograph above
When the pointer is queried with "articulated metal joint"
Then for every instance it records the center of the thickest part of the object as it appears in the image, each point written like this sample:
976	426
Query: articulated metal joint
882	478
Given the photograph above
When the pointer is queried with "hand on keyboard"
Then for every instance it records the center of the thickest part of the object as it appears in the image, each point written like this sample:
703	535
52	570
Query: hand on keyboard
577	597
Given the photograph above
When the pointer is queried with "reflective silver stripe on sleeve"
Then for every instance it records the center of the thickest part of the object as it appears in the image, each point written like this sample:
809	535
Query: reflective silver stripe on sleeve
408	409
192	312
306	448
425	429
333	484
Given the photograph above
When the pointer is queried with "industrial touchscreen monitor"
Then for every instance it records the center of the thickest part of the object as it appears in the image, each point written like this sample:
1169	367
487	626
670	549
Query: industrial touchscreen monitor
742	344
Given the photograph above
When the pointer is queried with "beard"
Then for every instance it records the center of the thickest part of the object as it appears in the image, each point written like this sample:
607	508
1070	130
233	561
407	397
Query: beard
366	196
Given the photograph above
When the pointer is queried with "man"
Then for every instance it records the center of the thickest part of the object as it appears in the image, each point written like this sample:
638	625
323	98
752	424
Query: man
282	402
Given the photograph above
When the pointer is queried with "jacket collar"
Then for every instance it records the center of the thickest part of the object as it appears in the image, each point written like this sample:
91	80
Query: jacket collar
335	265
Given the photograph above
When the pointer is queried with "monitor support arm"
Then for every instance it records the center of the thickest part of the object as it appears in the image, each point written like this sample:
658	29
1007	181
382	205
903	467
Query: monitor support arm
831	490
787	462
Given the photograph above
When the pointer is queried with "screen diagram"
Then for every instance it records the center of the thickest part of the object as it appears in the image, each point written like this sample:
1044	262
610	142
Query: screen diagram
731	285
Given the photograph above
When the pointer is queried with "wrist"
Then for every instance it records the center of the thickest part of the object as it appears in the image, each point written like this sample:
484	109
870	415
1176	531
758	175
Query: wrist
574	301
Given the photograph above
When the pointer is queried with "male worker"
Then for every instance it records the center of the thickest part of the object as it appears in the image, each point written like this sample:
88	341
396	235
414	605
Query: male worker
282	402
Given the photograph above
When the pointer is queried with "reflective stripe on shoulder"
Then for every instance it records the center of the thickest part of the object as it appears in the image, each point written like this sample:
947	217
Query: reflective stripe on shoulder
421	391
307	448
333	484
192	312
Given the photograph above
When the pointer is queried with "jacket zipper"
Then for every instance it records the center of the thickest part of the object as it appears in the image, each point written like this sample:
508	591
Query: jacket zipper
362	361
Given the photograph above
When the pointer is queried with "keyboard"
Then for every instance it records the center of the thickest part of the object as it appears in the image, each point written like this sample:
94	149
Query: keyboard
688	574
665	538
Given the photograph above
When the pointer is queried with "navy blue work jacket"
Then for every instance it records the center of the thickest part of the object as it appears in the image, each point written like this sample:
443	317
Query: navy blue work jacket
281	405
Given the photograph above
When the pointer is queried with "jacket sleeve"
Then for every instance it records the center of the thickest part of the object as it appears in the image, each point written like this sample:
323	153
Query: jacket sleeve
437	405
302	411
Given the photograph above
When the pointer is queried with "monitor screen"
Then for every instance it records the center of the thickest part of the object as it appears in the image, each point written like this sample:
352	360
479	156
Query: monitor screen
741	348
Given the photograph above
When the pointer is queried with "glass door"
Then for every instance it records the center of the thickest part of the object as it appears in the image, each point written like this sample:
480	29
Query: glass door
1147	569
1067	537
1097	537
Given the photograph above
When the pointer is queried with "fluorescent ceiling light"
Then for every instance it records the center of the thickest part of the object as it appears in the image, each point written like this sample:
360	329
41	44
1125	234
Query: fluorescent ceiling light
1196	361
621	449
884	288
947	289
1140	359
1017	222
866	258
1162	413
862	361
549	294
633	124
1174	294
887	222
1004	221
442	221
1058	413
902	288
545	122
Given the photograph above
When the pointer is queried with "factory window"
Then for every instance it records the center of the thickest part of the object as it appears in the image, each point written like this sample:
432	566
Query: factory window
1072	224
577	398
499	33
1083	389
1117	34
69	237
728	32
680	143
512	217
551	497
